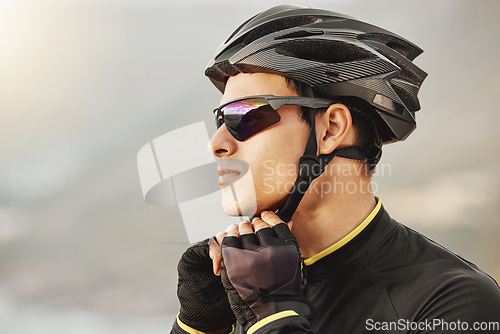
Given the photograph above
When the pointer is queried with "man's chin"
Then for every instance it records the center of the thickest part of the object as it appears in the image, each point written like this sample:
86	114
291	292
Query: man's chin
248	207
238	211
239	208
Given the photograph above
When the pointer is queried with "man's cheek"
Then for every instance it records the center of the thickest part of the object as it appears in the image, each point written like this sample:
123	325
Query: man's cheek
268	185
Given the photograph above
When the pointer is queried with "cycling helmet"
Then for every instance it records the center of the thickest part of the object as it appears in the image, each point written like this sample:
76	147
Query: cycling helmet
332	53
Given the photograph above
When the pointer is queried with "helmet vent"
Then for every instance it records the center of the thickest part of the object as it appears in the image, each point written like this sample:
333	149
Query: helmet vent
407	92
300	34
324	51
332	74
278	25
239	29
403	47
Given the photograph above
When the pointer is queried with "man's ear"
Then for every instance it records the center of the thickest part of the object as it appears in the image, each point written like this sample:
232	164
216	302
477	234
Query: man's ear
333	129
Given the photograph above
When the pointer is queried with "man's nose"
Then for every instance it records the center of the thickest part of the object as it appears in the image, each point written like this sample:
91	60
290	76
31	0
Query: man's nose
222	143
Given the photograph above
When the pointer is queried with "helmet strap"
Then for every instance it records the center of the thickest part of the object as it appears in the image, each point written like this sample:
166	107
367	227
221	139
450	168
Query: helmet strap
310	167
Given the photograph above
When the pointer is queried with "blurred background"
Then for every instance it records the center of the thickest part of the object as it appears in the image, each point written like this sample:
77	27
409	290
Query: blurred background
84	84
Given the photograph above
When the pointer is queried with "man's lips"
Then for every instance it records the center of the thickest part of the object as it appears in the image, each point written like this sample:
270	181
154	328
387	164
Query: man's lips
231	170
228	176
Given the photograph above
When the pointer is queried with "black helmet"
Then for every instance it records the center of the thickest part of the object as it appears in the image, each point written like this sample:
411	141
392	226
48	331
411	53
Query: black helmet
334	54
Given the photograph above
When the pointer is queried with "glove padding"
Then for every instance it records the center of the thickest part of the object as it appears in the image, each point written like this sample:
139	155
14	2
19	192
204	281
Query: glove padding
204	302
262	274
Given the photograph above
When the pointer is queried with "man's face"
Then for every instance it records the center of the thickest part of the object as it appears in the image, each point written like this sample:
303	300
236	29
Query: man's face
272	155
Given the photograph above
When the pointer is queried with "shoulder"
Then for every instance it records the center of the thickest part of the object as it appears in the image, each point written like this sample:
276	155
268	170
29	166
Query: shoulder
425	280
410	248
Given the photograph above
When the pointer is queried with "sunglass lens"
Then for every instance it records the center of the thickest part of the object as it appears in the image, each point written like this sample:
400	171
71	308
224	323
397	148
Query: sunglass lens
245	118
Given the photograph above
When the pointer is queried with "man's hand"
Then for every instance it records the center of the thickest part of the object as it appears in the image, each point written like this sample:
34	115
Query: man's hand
261	269
204	302
236	230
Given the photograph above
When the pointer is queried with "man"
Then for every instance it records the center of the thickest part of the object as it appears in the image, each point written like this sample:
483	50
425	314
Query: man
309	96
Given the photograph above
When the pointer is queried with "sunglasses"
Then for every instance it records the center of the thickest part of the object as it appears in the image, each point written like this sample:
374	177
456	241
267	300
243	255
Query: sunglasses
250	115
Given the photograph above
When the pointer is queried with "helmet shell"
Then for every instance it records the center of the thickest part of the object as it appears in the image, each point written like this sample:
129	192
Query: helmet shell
335	54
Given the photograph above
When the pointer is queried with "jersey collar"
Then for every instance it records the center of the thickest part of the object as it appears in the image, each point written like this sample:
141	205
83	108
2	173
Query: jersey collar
347	238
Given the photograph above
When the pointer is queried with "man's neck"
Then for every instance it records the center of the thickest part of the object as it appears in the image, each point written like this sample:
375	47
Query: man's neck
326	216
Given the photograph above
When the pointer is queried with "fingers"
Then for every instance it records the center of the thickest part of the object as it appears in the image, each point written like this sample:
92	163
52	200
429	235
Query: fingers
233	231
214	249
271	218
246	235
259	223
220	236
284	233
215	255
249	241
246	227
266	236
282	229
232	237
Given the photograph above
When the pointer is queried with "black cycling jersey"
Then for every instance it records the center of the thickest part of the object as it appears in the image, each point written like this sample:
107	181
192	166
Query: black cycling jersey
390	279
